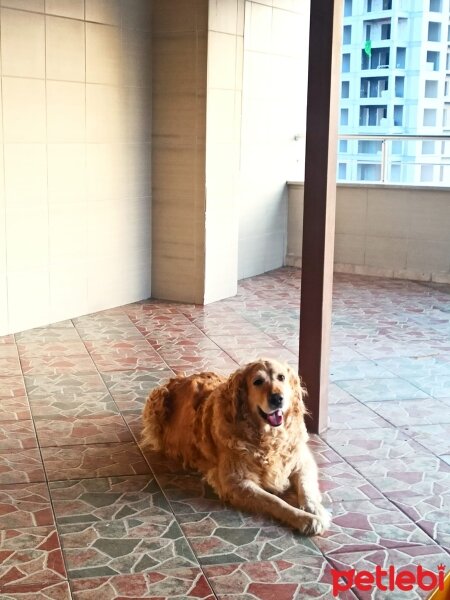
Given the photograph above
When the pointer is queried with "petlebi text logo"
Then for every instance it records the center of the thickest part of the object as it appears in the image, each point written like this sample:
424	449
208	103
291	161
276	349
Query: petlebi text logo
388	579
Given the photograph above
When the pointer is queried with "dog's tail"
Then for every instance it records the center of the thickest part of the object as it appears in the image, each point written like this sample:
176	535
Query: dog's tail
155	415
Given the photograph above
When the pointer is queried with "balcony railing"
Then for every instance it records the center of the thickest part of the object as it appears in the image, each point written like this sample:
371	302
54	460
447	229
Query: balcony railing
394	159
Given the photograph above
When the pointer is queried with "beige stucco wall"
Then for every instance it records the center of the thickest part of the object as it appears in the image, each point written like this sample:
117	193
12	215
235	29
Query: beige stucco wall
75	158
391	231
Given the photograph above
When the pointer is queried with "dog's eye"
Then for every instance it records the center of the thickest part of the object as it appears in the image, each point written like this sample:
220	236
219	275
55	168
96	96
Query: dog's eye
281	377
258	381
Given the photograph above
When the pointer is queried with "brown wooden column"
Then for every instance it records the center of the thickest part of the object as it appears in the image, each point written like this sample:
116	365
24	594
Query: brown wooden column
319	205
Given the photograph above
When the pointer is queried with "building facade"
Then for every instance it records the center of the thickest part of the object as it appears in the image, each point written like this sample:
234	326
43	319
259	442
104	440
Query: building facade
395	82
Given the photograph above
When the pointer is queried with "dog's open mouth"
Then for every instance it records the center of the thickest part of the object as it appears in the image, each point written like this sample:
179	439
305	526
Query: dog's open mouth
275	418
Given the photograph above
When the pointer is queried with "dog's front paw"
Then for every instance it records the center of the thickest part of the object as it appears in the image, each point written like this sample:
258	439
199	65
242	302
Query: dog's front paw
316	524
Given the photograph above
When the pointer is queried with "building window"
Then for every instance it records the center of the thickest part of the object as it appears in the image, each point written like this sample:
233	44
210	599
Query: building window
401	58
434	32
372	87
373	5
431	88
345	89
370	116
348	8
369	172
433	59
435	5
343	146
446	88
386	31
399	87
429	117
347	35
345	63
398	116
426	173
369	146
396	173
342	171
428	147
447	63
344	116
379	59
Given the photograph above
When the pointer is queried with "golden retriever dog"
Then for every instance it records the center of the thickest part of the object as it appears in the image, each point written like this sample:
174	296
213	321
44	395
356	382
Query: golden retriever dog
246	435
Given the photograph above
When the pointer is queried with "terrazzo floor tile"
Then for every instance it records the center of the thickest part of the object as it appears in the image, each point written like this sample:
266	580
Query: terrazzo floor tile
377	390
436	385
368	525
30	556
124	546
107	499
54	365
413	412
25	505
229	342
7	339
445	458
10	366
24	466
358	369
431	513
206	360
245	355
125	356
98	460
160	584
353	416
107	332
357	445
415	367
8	350
130	389
19	435
344	353
49	334
323	454
227	536
14	409
48	349
267	580
435	438
12	387
340	482
395	477
402	558
72	431
87	405
64	385
51	591
337	395
184	343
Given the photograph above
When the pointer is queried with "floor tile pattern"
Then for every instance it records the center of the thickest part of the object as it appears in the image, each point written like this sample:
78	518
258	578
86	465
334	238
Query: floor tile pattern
87	514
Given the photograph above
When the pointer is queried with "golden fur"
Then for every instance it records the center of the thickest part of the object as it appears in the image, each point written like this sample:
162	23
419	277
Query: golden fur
246	434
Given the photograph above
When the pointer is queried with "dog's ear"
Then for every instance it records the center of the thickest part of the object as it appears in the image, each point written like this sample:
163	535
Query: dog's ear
298	388
237	394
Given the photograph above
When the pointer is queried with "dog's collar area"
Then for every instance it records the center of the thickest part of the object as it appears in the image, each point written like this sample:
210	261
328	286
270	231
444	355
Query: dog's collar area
275	418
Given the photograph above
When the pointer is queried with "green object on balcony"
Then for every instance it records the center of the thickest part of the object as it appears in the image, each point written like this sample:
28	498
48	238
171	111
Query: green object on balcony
368	47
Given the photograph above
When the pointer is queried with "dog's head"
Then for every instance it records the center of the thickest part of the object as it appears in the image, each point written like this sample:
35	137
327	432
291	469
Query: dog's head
267	392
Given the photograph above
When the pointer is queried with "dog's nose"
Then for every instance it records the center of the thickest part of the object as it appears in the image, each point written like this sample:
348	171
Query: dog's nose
276	400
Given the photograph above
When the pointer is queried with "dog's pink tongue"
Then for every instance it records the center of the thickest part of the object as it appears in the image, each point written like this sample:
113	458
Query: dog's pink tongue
275	418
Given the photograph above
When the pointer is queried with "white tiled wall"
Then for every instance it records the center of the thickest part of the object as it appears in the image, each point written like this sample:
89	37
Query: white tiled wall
273	114
75	185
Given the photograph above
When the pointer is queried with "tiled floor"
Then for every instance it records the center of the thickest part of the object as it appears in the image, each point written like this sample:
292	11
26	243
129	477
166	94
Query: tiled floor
84	514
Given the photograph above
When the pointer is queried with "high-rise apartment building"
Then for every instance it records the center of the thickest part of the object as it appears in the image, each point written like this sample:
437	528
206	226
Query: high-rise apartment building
395	81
